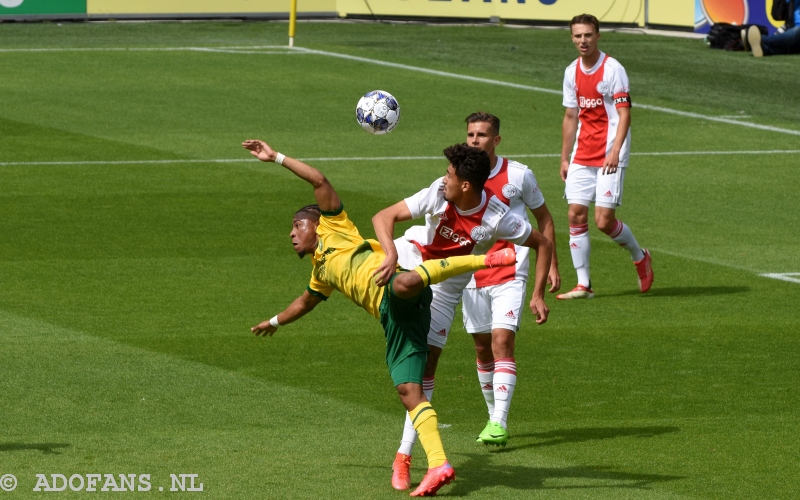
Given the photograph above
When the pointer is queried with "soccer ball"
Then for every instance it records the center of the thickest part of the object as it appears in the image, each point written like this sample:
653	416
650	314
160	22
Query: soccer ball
378	112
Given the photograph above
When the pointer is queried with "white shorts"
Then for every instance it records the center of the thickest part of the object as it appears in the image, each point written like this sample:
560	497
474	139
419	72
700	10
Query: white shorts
408	255
587	185
446	294
496	306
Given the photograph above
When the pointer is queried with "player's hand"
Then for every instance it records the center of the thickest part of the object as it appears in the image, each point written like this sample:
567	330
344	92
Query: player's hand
260	149
564	169
540	310
611	163
554	279
264	328
385	271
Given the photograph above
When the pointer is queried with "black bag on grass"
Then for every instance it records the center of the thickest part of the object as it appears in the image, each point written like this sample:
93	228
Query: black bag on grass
729	36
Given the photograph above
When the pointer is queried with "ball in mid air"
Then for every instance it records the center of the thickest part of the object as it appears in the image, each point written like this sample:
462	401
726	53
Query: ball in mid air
378	112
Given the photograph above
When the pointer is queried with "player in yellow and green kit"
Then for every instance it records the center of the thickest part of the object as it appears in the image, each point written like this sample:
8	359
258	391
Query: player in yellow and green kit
345	261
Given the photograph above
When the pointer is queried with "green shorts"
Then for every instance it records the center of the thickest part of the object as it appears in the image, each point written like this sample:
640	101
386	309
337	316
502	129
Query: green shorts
405	325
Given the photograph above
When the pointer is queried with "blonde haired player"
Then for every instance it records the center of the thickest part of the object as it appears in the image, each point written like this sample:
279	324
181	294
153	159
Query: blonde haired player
594	153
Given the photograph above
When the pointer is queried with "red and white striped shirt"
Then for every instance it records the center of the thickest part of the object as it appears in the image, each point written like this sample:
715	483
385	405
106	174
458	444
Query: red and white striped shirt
449	231
597	93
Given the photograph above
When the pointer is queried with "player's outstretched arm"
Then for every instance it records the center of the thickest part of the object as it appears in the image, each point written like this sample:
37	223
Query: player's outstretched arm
299	307
384	222
544	221
326	197
544	254
569	128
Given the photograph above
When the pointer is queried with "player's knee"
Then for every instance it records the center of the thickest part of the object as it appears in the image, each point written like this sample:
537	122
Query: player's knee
577	215
407	285
404	390
483	346
606	224
503	343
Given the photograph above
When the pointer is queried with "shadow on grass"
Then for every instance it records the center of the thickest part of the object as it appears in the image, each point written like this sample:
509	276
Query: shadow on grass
478	472
563	436
683	291
46	448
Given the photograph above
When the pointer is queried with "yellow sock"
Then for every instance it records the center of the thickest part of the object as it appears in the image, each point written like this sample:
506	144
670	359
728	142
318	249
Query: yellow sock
438	270
426	423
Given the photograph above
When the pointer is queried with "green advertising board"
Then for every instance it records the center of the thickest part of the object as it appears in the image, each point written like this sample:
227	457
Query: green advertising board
41	7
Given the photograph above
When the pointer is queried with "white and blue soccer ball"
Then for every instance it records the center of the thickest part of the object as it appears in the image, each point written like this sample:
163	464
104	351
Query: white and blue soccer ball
378	112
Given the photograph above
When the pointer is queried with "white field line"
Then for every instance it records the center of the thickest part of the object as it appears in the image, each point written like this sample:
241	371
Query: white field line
280	49
790	277
370	158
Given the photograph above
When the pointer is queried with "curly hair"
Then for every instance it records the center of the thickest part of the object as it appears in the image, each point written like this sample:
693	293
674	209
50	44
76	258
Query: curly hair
311	212
483	117
471	164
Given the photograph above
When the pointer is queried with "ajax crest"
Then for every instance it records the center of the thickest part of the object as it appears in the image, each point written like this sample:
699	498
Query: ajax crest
478	233
510	191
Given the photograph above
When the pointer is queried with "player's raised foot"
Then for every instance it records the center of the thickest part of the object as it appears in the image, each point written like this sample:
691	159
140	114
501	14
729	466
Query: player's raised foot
501	258
494	434
435	479
579	292
401	476
644	268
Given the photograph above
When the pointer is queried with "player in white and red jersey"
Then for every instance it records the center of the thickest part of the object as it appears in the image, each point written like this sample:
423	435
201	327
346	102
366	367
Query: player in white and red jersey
493	301
594	153
461	218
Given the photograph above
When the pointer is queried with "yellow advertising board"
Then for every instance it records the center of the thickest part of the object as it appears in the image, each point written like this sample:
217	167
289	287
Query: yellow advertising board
671	12
660	12
202	7
611	11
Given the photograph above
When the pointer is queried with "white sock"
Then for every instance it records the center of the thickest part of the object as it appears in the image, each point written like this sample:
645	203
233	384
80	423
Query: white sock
505	378
485	377
580	248
409	433
409	436
622	236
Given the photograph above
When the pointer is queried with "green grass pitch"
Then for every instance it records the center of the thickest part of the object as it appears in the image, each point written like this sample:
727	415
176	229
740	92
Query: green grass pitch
133	264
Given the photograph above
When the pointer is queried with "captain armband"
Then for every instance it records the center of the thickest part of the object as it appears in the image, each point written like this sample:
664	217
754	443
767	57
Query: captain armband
622	100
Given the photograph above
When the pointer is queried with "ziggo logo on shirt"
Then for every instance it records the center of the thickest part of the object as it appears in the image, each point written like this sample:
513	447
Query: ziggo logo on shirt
452	235
590	103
